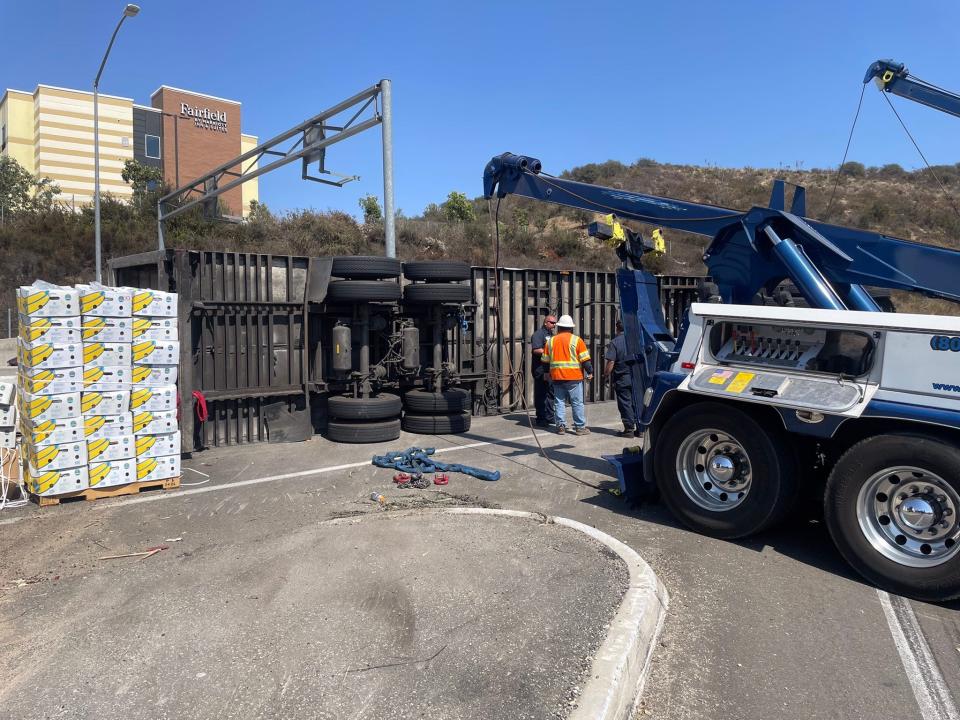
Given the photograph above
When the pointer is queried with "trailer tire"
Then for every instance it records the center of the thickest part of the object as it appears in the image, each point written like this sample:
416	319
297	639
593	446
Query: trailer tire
436	271
437	424
883	538
437	293
721	473
437	403
380	407
364	290
365	267
363	432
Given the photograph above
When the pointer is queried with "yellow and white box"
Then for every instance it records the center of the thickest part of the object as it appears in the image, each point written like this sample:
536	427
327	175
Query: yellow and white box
107	426
105	301
107	402
40	381
56	482
8	415
155	352
115	448
8	438
43	299
163	397
109	377
42	354
155	423
154	303
106	354
106	329
112	472
57	329
52	432
154	328
158	468
148	446
154	375
38	408
54	457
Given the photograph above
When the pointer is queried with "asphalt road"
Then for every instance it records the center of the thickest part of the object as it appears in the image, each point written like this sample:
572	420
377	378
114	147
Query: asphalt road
776	626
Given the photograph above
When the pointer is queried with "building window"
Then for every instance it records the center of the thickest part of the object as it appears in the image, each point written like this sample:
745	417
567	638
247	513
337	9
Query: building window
3	138
151	146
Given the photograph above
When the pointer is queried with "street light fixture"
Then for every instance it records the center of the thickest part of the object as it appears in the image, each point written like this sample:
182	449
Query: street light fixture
129	11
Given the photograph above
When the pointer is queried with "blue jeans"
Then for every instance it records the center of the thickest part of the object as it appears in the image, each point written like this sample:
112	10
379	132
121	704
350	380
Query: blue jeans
571	390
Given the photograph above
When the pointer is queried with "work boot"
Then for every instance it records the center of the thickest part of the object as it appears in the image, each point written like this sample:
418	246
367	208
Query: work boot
627	432
561	429
581	431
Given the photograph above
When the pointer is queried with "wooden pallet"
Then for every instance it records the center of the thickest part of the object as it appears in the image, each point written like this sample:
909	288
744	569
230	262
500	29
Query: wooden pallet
107	492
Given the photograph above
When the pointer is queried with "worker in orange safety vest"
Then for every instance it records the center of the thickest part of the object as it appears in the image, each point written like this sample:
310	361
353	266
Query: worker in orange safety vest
569	362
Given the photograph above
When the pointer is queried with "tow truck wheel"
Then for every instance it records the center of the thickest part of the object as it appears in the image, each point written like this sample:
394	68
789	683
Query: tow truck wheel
723	474
892	506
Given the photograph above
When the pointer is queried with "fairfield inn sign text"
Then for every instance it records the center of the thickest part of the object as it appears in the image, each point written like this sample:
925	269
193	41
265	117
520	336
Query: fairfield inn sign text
205	117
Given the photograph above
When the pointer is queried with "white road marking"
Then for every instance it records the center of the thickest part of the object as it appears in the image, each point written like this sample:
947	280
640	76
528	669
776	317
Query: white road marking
929	688
169	495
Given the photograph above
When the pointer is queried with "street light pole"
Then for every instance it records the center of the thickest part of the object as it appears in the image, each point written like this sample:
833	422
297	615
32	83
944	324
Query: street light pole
128	11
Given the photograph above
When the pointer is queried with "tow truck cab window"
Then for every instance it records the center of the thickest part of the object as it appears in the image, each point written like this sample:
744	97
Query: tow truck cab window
797	347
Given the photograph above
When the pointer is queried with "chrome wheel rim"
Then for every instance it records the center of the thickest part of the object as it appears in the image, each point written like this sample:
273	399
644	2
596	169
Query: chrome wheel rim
714	470
910	516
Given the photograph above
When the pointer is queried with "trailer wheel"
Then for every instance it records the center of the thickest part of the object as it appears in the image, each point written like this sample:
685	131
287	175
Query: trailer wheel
365	267
363	432
437	424
448	401
437	293
721	473
892	506
373	408
436	271
364	290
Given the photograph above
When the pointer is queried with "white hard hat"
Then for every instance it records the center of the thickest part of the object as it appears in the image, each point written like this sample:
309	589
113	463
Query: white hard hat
565	321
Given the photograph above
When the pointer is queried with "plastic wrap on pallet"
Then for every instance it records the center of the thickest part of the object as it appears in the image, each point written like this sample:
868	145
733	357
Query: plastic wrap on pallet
111	473
56	482
158	468
105	301
107	426
107	402
148	446
106	329
123	447
43	299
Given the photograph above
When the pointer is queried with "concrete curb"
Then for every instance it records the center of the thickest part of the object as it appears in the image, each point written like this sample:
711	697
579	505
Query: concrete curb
622	662
620	667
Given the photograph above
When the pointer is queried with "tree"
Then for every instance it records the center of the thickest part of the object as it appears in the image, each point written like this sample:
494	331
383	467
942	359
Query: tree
260	213
144	179
458	208
22	192
371	209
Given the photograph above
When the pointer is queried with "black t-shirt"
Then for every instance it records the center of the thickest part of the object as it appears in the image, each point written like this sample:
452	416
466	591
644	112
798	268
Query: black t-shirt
537	341
617	351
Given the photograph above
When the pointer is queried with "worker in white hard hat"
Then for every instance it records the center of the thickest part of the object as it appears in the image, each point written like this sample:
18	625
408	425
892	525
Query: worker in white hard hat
569	363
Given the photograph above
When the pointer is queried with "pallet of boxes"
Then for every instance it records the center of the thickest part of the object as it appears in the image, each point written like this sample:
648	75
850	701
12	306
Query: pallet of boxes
97	391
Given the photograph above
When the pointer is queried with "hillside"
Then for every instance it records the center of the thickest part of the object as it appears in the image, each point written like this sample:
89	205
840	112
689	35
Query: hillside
57	244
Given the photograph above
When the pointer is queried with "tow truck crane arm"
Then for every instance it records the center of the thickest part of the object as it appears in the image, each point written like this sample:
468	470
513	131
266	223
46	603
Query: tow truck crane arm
894	78
759	247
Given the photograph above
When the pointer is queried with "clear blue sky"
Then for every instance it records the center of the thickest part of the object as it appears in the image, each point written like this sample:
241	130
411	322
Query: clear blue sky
725	83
